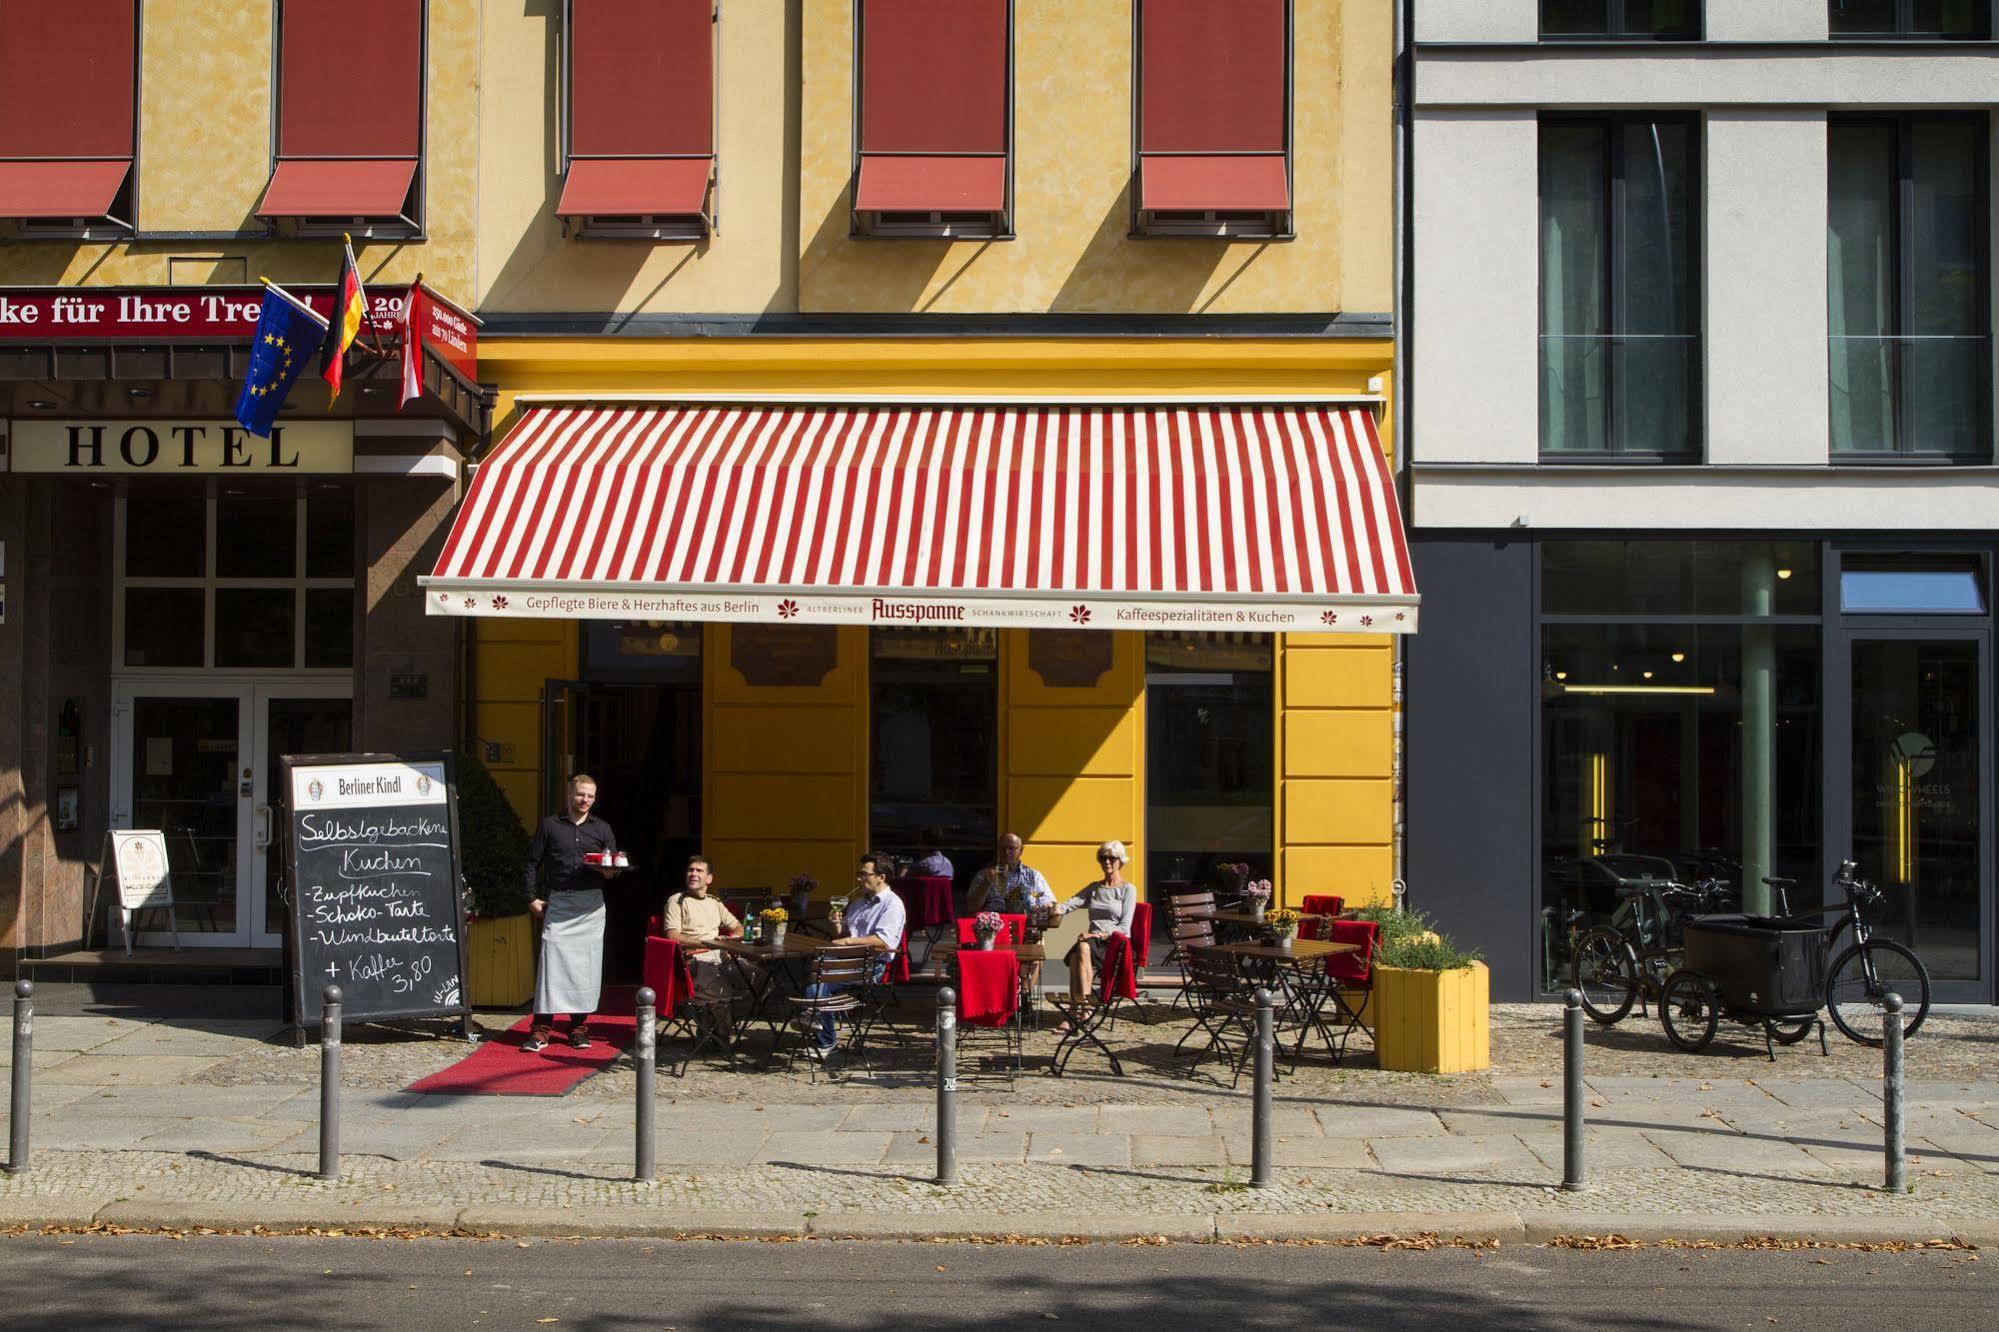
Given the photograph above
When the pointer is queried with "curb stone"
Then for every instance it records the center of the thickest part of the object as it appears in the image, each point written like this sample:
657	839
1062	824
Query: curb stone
629	1221
1031	1225
1657	1227
314	1214
1470	1227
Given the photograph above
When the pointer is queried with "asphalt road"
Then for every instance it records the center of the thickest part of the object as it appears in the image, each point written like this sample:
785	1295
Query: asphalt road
230	1282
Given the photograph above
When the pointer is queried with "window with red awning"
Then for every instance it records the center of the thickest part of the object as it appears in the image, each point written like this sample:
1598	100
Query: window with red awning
933	117
1214	117
350	116
640	145
68	126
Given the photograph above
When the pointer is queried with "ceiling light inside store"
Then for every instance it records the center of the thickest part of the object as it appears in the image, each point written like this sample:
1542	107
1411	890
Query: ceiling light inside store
1561	675
41	404
1679	657
1648	675
1783	573
1636	689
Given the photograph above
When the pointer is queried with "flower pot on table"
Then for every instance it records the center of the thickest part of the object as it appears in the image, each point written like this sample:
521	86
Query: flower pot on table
1432	1021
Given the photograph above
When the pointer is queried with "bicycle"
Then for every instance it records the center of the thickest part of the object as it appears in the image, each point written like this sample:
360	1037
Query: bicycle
1614	964
1863	973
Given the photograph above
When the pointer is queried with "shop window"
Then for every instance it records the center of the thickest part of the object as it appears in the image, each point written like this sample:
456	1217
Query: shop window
1620	20
639	138
1618	578
1620	310
1673	752
350	118
235	575
1214	118
934	744
69	77
933	118
1909	278
1209	757
1919	20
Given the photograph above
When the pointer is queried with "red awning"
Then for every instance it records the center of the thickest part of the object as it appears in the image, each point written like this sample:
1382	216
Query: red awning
60	189
1212	180
346	188
1239	517
623	186
912	184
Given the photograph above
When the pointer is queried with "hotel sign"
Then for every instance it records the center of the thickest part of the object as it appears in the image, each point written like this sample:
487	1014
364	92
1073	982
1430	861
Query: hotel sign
180	448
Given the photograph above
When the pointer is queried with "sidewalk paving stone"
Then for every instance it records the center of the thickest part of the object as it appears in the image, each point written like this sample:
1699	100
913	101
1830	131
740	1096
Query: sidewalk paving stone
1603	1149
1285	1150
1379	1121
1157	1120
827	1145
1045	1118
1823	1092
127	1070
1737	1153
909	1147
1079	1149
1434	1156
1166	1149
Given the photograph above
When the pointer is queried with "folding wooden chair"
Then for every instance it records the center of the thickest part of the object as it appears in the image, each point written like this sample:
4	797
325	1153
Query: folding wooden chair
841	975
988	985
1223	1006
1187	934
1118	985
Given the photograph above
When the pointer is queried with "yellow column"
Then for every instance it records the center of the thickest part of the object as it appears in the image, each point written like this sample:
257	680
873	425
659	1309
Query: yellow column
515	660
1336	789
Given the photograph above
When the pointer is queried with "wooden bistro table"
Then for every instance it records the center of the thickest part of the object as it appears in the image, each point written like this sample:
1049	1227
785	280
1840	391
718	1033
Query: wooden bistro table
1294	966
762	982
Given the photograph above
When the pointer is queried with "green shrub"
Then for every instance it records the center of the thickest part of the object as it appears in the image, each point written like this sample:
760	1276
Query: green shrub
492	844
1415	954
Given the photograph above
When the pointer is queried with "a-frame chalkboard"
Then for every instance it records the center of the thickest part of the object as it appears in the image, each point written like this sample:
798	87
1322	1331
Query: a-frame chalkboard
373	887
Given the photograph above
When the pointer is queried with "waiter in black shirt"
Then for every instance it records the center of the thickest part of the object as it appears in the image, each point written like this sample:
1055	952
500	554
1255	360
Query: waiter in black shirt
568	895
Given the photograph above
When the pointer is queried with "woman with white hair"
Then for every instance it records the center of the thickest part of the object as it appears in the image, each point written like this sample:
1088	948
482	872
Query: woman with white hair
1111	902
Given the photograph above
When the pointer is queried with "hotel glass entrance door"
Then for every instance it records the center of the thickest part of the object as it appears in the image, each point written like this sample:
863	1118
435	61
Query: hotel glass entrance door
198	760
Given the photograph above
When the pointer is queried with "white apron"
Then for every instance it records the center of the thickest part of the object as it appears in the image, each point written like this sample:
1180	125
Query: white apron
572	953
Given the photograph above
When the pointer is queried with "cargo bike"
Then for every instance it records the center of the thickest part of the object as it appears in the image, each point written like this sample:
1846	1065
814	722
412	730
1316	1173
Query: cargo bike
1778	973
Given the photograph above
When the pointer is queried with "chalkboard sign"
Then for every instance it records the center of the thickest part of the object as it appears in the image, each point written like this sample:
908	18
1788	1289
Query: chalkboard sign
371	861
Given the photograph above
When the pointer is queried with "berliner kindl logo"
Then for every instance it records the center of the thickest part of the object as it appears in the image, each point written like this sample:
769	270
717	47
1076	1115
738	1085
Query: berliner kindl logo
314	789
422	785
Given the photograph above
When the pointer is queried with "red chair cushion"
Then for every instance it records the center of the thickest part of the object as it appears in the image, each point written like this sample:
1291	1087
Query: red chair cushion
1322	905
988	987
1355	970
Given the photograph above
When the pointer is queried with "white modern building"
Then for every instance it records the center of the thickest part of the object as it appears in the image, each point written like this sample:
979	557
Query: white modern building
1700	384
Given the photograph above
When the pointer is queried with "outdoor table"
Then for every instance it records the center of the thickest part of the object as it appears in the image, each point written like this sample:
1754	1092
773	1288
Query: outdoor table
761	982
1244	917
1303	1002
1030	957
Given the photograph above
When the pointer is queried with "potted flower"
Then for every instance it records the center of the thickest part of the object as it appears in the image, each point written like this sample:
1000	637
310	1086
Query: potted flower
802	887
986	927
1256	896
1431	1002
774	919
1283	923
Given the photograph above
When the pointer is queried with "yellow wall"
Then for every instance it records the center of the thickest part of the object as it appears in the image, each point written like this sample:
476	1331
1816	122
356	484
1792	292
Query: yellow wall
205	155
512	662
784	781
1072	762
526	263
1072	177
1335	791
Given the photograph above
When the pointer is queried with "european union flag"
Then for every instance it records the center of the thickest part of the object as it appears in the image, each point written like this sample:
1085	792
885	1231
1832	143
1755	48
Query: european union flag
288	333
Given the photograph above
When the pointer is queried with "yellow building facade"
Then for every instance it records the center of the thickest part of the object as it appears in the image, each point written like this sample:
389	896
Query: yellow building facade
786	299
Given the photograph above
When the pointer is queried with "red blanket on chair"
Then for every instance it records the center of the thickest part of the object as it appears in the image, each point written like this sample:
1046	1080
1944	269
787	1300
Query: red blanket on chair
988	987
665	969
1120	979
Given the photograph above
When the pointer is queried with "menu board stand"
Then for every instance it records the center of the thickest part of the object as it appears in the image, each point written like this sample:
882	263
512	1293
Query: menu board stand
372	888
137	859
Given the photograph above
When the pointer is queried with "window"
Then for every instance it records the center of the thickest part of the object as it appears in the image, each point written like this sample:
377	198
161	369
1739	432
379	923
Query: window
1911	585
1214	118
933	118
639	137
1909	287
68	128
236	575
1633	20
1209	756
350	117
1923	20
934	767
1620	316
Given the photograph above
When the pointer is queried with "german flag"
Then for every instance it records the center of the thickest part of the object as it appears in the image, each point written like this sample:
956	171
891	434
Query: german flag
350	307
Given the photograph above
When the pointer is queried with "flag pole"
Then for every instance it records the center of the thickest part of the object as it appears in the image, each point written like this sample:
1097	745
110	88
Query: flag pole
299	304
367	321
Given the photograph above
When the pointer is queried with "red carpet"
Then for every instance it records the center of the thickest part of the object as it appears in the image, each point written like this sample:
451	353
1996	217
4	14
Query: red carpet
499	1067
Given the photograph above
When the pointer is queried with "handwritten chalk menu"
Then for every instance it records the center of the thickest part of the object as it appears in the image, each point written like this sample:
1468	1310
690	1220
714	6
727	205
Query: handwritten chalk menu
372	860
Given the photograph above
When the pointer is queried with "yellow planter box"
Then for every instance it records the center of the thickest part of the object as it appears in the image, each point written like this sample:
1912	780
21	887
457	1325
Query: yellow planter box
502	961
1433	1021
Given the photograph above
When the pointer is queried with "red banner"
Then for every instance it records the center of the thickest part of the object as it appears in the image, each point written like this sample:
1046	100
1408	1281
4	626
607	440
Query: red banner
448	331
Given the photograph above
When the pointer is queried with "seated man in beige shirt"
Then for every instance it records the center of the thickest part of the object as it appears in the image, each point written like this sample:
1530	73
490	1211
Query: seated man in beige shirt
694	918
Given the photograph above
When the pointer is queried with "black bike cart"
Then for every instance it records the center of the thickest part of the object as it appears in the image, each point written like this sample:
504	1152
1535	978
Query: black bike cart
1766	971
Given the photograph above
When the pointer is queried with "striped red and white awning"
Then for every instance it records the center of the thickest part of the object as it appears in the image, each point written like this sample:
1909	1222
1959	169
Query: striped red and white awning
1258	517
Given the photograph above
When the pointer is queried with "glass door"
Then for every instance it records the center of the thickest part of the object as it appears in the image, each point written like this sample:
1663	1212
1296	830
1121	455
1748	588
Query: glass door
299	717
179	764
1917	756
199	761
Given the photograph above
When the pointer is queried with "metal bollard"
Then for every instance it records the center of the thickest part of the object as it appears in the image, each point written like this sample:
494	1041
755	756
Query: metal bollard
1892	1128
20	1108
1259	1130
947	1086
647	1053
1572	1090
329	1083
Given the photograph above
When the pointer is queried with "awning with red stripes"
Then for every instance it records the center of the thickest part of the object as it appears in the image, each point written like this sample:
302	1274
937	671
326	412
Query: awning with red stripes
1247	517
